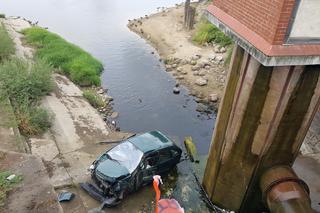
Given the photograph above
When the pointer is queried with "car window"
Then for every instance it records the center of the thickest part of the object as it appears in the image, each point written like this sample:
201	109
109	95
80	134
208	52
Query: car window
164	155
152	160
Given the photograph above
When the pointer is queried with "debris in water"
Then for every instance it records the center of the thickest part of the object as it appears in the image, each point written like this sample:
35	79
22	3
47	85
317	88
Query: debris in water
65	196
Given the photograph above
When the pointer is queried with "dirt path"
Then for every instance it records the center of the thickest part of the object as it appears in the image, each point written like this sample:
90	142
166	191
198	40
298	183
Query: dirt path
201	69
14	25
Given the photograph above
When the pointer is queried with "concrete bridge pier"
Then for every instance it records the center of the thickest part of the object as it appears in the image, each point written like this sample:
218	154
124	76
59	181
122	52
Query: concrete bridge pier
264	116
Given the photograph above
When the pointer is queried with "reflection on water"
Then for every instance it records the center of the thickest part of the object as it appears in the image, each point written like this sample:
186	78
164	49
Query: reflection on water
141	88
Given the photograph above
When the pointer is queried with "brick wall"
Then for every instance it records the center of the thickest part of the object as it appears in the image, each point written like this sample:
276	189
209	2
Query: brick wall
268	18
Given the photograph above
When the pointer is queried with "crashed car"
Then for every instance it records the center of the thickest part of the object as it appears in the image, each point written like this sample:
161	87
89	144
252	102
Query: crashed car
131	165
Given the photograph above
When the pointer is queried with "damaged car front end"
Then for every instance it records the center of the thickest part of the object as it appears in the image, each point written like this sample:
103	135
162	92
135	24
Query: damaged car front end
131	165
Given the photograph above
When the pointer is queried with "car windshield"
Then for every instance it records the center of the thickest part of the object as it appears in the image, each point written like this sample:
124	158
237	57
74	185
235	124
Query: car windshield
127	155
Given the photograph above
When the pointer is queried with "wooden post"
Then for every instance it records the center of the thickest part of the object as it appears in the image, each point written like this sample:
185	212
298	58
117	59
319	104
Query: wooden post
264	117
186	7
189	14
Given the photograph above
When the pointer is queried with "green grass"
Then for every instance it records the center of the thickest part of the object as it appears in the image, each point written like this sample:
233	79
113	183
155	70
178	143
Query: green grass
6	186
6	44
24	84
94	99
207	32
79	65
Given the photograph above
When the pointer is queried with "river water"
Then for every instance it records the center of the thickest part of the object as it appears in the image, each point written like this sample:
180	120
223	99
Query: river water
141	88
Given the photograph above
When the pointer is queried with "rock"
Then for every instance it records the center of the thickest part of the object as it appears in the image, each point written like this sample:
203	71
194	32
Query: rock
204	63
149	37
195	68
108	98
184	62
193	62
201	82
219	58
202	108
217	49
174	65
179	69
211	57
207	67
184	72
195	73
179	77
152	52
202	73
176	90
222	50
114	115
100	91
195	57
198	100
186	191
213	97
174	74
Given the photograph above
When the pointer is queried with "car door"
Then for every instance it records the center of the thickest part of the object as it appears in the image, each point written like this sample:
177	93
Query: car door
165	161
150	165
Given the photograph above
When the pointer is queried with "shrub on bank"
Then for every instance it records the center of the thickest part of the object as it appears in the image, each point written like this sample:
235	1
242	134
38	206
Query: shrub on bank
2	15
207	32
6	44
24	84
79	65
94	99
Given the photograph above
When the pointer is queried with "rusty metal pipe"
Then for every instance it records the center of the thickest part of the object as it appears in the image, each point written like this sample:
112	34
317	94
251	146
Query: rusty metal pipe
284	192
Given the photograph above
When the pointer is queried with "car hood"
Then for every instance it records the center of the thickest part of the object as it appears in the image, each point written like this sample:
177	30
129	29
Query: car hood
111	169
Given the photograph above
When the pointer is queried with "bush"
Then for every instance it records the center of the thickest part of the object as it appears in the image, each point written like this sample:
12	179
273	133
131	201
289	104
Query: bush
6	44
33	120
7	185
24	84
207	32
79	65
2	15
94	99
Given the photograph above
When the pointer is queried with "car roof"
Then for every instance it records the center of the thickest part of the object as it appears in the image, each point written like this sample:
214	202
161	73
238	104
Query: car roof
151	141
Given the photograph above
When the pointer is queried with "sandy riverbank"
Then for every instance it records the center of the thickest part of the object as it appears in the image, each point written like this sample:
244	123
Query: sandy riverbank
199	68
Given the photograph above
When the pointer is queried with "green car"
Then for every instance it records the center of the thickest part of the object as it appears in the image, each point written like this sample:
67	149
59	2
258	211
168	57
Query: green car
131	165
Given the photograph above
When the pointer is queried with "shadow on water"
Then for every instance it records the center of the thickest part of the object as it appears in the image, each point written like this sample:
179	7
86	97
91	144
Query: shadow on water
137	80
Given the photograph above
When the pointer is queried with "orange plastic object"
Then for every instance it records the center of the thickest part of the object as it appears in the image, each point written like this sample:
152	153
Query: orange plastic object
165	205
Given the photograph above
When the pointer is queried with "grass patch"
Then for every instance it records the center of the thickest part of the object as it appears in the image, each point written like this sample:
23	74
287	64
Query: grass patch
74	62
207	33
6	44
24	84
94	99
6	185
